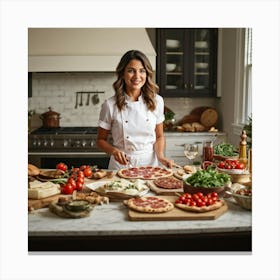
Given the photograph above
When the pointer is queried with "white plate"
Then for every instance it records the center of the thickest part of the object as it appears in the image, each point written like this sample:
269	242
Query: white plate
95	185
233	171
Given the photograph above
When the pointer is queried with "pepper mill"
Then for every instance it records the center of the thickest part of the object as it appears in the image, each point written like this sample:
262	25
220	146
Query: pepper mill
243	148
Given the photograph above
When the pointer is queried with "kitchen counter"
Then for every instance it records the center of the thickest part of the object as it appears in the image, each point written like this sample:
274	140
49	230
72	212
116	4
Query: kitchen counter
108	229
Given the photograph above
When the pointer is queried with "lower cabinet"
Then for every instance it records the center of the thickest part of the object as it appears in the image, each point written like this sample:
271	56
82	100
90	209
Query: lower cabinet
175	141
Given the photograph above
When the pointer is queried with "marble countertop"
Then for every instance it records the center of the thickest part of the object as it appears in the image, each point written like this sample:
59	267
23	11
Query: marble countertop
112	220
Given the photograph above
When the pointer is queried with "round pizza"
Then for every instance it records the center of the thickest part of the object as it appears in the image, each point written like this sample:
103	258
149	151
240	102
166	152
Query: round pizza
218	204
149	204
144	172
168	183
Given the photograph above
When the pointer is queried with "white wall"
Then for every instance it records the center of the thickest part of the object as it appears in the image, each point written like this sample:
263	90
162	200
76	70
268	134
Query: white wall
58	90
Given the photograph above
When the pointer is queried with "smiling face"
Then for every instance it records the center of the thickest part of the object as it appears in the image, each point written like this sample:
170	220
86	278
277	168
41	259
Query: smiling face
135	76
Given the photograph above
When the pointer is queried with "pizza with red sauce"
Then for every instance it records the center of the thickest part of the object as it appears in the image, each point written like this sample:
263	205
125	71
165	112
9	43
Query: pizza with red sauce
149	204
145	172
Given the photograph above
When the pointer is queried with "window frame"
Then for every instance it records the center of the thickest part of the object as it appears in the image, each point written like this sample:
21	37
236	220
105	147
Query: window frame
242	102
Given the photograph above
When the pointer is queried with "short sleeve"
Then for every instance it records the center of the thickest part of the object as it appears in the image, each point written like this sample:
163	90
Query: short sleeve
105	116
160	109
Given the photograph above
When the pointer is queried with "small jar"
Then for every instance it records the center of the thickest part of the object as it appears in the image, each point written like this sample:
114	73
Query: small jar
208	151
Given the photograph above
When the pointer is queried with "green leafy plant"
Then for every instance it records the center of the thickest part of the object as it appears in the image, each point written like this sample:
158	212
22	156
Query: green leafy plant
248	128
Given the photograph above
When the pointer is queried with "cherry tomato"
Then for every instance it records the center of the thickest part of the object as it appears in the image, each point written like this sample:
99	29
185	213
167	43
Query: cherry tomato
240	165
200	194
210	201
75	169
67	189
83	167
80	180
81	174
87	172
214	194
221	164
195	197
79	186
193	203
187	195
200	203
72	182
61	166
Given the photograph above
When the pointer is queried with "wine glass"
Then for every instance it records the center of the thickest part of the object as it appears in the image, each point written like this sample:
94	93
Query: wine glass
191	151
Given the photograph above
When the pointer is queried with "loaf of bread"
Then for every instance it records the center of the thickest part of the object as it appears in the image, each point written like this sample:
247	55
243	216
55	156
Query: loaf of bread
33	170
99	174
188	127
198	126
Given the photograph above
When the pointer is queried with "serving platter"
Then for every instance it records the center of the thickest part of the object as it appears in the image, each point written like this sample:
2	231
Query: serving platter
100	188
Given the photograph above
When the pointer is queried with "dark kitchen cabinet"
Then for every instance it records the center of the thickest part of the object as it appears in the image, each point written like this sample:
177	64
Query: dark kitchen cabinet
187	62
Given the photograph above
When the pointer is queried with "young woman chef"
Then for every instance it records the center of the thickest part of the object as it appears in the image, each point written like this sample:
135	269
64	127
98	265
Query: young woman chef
134	115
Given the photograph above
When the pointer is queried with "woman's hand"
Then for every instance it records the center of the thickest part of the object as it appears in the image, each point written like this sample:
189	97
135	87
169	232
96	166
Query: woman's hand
166	162
119	157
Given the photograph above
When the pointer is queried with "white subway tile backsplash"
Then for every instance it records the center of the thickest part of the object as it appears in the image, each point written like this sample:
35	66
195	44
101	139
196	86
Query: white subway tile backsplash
58	90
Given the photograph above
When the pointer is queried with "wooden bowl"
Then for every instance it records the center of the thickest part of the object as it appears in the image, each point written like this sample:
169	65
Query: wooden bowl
205	190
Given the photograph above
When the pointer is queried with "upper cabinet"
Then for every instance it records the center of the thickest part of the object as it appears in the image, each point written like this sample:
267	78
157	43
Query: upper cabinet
187	62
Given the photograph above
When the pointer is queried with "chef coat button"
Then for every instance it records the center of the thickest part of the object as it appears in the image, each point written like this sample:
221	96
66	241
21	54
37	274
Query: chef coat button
147	120
127	137
126	121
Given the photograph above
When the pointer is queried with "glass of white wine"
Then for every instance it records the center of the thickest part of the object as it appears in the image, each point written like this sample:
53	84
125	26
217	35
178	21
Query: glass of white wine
191	151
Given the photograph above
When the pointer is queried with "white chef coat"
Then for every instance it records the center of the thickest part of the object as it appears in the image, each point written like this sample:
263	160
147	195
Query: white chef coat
133	129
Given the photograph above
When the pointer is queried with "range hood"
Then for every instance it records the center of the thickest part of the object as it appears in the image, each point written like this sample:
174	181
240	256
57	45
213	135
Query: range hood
84	49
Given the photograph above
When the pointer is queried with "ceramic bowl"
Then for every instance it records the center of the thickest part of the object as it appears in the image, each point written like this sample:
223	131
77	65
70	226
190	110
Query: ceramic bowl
244	201
172	44
201	44
201	65
170	67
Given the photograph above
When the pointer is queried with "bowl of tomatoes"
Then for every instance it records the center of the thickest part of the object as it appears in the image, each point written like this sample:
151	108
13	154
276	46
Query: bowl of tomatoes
231	166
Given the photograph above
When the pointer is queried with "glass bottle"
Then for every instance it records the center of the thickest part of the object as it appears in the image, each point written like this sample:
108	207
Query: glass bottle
208	151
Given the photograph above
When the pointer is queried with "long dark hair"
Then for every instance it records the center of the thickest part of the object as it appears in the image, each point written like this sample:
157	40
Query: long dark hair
149	90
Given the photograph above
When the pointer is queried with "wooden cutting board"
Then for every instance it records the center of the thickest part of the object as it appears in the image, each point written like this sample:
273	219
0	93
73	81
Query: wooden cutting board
209	117
176	214
42	203
162	191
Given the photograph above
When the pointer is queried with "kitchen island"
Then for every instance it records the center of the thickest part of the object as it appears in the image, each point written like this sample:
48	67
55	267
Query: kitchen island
109	229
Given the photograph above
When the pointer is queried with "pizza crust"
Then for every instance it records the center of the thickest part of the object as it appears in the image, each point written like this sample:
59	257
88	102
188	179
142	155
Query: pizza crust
218	204
145	204
144	172
168	183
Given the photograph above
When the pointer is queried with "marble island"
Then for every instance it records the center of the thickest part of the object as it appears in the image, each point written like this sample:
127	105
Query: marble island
109	229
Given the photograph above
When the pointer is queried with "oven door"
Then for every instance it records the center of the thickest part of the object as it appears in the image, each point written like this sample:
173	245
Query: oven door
75	159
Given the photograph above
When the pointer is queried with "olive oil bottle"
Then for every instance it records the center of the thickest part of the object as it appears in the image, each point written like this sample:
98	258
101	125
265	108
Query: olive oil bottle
243	149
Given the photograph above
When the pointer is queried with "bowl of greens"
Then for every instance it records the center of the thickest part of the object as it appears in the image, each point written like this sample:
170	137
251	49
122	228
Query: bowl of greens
225	151
207	181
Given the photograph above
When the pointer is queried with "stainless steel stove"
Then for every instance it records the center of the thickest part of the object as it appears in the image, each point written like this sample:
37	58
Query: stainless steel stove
73	145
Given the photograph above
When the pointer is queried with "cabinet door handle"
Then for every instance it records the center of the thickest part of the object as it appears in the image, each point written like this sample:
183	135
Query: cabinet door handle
185	85
191	85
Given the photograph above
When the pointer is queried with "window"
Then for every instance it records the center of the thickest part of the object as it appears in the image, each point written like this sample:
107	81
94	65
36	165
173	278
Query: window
243	90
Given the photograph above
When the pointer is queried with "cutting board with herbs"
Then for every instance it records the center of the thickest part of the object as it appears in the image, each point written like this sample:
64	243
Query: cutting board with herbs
176	214
34	204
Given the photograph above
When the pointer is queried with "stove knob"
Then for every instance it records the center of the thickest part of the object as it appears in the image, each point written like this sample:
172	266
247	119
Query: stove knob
51	142
84	142
34	143
78	143
92	143
38	142
45	143
65	143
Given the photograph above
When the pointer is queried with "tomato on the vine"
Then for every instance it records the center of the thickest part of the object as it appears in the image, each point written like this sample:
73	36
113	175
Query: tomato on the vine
79	186
61	166
67	189
87	172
